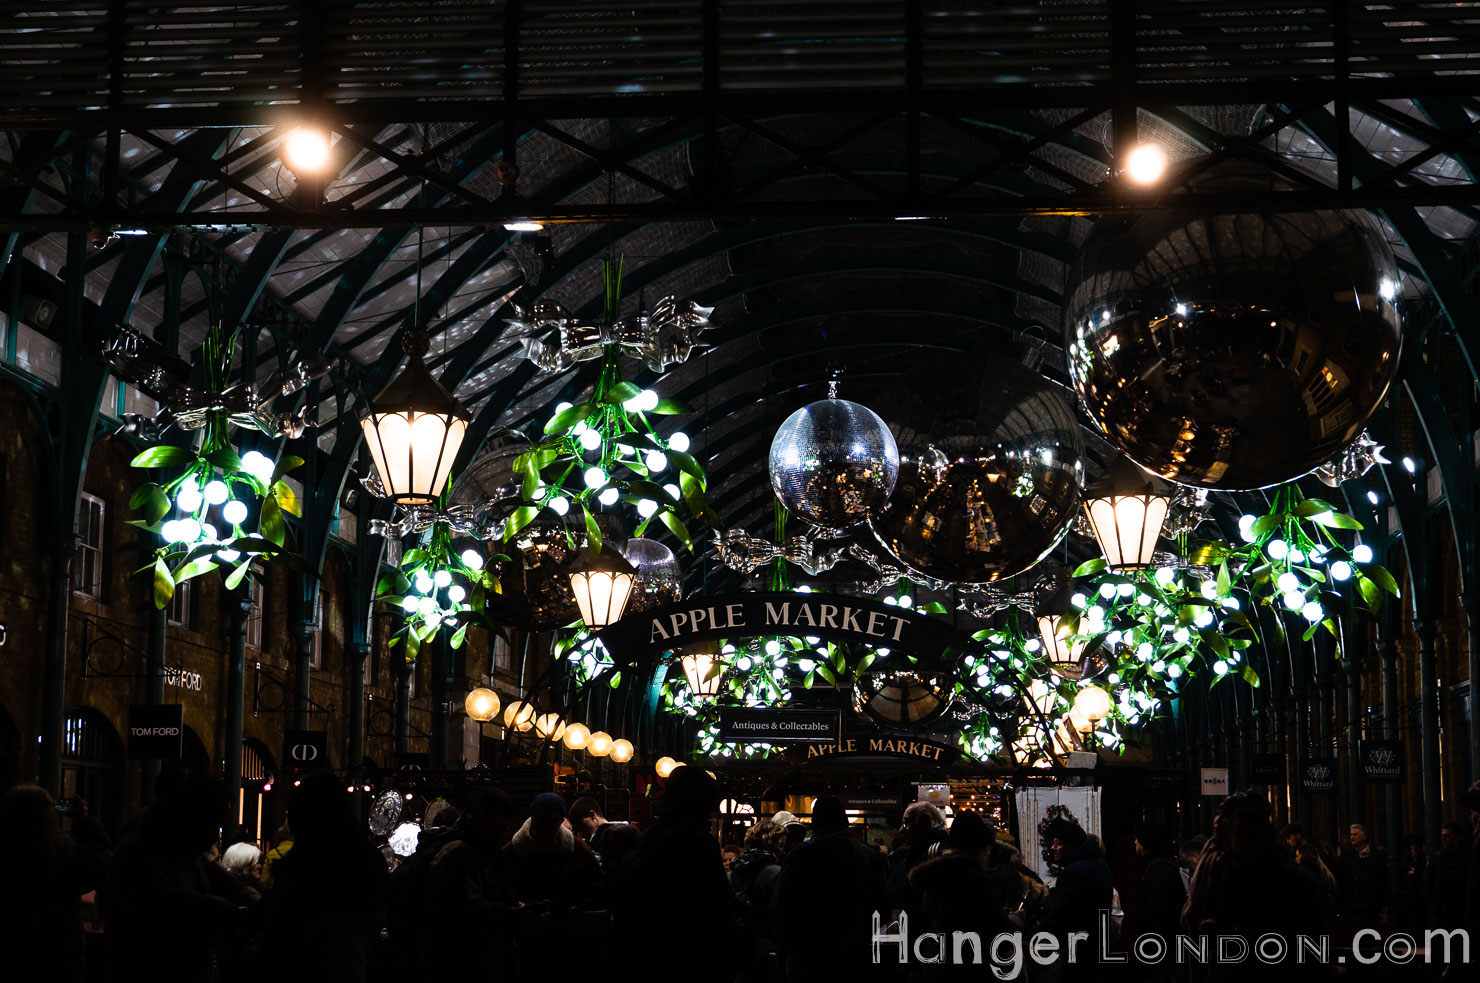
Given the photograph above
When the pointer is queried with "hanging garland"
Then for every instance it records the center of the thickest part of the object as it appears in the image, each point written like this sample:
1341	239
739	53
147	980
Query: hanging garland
227	509
605	450
436	586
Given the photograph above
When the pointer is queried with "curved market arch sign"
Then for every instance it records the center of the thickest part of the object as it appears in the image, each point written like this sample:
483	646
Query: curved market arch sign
834	617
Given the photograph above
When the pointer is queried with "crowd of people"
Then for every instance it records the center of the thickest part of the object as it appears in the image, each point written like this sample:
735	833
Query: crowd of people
505	892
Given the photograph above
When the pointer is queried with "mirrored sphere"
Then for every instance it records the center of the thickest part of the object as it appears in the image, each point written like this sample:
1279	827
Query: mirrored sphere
991	468
834	463
903	700
1235	350
659	577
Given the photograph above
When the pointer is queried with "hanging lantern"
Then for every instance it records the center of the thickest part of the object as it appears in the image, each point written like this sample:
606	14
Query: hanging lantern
600	744
519	716
576	736
602	584
699	670
664	766
414	429
549	726
1126	508
482	704
622	750
1063	654
1092	703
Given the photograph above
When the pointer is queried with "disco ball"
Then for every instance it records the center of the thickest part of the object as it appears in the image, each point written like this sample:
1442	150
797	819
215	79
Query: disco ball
659	577
834	463
991	468
1233	350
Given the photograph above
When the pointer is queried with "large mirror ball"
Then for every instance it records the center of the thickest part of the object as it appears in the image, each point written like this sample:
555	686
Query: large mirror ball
1233	351
991	468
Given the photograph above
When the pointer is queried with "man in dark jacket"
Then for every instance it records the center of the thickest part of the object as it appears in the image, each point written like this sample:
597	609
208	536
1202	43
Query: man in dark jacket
1444	881
1162	893
1364	877
459	886
1082	890
827	894
672	887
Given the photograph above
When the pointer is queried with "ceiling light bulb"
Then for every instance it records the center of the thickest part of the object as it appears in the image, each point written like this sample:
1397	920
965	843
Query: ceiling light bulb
307	149
1146	164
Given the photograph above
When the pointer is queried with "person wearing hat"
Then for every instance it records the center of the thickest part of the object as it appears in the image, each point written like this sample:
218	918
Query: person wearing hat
551	864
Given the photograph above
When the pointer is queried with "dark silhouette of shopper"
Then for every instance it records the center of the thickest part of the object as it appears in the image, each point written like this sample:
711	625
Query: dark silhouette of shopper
1445	877
672	887
1079	894
1364	877
962	891
827	895
46	875
461	895
167	907
753	878
328	898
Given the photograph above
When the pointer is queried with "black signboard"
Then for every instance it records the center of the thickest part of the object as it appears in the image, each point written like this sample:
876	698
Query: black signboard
1382	762
306	750
1267	768
1318	776
873	801
762	726
156	731
752	615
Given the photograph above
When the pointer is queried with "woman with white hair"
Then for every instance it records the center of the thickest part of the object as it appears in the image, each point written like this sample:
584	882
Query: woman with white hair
243	861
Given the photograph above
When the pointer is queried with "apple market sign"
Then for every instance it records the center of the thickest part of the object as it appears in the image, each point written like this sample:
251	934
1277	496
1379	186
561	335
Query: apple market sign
762	614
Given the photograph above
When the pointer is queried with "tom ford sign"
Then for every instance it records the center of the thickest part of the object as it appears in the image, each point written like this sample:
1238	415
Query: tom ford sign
840	618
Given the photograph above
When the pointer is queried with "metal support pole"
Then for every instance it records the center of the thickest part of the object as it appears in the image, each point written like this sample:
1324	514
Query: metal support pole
154	661
1391	793
1325	739
1433	807
359	654
238	609
54	670
404	670
1357	806
1300	708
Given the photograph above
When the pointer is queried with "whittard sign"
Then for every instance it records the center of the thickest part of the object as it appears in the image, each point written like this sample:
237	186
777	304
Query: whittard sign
751	615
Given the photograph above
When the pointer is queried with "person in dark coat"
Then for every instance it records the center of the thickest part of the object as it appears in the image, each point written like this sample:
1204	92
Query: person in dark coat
466	892
1162	894
1410	908
1245	884
670	890
328	899
1364	877
962	891
753	878
46	875
827	896
1444	879
924	831
556	877
166	906
1081	892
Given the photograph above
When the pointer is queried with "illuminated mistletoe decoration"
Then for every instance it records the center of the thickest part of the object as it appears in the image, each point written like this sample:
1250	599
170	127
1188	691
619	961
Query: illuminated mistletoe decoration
1179	618
439	586
605	450
221	511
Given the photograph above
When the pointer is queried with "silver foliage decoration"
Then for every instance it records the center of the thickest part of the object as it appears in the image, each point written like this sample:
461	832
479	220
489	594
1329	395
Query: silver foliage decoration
134	361
745	553
1355	460
987	600
555	339
477	521
1189	509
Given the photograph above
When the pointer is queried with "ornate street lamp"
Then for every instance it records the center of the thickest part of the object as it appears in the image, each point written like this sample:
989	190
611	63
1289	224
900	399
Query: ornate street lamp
622	750
519	716
704	672
414	429
1126	508
576	736
1063	654
549	726
1092	703
482	704
602	585
664	766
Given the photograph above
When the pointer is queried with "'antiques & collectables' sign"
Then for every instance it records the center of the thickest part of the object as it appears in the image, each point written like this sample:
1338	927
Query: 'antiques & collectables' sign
762	726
